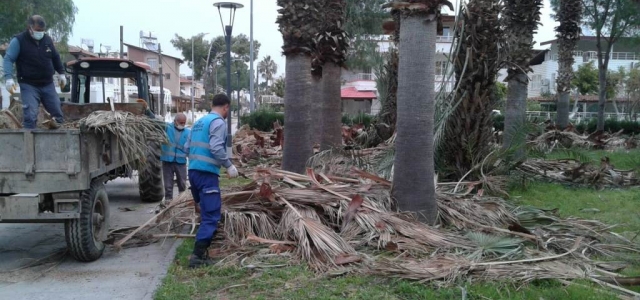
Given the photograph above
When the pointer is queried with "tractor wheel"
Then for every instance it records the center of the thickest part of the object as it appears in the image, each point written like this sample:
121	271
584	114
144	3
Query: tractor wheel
150	177
86	234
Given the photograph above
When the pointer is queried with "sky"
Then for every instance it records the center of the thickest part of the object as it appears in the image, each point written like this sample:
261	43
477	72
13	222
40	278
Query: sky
101	21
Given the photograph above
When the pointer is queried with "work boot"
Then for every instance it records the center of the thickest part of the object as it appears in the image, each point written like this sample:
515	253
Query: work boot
200	256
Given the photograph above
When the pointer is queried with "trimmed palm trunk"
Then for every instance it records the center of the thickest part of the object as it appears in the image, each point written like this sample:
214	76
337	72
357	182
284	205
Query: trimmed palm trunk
413	179
331	47
521	21
317	104
331	136
469	128
569	15
298	22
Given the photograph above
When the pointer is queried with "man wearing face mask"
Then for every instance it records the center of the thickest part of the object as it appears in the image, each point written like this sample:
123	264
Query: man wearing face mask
36	61
174	157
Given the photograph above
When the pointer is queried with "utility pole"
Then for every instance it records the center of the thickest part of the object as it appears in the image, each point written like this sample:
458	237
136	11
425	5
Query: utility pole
161	100
239	107
122	90
251	86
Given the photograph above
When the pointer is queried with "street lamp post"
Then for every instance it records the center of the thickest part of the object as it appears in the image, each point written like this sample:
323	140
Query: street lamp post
228	29
239	107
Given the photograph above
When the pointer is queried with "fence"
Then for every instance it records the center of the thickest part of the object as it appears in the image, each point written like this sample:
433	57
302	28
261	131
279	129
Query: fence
578	117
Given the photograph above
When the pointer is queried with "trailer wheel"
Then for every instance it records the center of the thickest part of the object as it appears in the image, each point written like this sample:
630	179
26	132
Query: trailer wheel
85	235
150	178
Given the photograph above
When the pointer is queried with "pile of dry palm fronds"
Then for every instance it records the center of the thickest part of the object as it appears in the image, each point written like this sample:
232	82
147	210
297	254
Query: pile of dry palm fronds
347	220
256	148
556	139
135	133
577	172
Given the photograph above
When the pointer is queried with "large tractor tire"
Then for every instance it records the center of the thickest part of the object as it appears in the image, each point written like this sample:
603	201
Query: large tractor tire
150	177
85	235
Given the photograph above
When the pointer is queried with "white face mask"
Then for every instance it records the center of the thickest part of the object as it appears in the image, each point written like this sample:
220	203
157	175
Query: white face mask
180	127
37	35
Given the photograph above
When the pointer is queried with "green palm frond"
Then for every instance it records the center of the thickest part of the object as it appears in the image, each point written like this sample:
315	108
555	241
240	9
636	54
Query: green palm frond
580	155
494	245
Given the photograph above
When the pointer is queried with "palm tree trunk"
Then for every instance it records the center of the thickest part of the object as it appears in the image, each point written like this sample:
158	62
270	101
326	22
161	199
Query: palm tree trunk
332	107
602	97
516	112
564	105
316	109
413	180
297	133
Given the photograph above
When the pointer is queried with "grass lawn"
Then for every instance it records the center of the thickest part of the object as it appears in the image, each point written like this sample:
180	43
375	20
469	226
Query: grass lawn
297	282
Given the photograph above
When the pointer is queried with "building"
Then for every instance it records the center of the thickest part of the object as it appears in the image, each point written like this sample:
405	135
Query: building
543	79
182	102
359	90
170	67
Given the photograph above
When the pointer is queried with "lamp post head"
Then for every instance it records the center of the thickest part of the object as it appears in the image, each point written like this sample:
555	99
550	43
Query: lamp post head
232	7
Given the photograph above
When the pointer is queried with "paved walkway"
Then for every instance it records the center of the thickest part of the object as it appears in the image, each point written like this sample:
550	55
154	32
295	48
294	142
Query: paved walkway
131	274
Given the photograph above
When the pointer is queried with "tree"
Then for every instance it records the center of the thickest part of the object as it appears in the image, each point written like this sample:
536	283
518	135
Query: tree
615	82
586	79
212	52
268	68
632	90
521	18
298	22
362	24
469	128
278	87
331	45
611	20
568	33
413	179
60	16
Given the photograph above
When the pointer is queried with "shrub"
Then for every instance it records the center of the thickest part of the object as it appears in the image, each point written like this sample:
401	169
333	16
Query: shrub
262	119
610	125
498	122
361	118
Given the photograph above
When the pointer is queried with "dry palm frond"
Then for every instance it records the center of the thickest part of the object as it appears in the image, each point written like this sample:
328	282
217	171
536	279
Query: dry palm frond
134	133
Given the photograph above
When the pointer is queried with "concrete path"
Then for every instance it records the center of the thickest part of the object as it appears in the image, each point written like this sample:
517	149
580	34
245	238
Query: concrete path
131	274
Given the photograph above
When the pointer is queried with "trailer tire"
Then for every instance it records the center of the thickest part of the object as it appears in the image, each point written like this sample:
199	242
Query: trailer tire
150	181
86	234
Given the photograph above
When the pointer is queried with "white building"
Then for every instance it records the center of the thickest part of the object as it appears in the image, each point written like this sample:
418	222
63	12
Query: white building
545	69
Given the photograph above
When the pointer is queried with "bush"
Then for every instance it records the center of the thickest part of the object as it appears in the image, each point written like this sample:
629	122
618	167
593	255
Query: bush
361	118
498	122
262	119
610	125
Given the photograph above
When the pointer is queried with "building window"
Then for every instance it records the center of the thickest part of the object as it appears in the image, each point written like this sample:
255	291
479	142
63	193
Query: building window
167	76
153	63
536	82
441	68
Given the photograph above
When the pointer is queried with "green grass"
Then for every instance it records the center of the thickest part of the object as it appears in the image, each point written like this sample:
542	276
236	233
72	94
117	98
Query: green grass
298	282
622	160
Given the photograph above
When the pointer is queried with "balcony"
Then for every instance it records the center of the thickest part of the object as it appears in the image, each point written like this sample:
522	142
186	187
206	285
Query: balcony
444	39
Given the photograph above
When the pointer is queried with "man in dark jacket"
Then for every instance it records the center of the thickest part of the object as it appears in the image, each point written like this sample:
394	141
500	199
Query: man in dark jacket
36	61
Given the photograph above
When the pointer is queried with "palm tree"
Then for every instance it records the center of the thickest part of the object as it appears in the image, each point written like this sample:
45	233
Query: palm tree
468	130
331	49
298	22
413	179
521	21
268	68
568	33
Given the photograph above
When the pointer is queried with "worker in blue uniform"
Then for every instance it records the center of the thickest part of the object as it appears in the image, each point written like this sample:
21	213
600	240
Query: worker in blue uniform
174	159
207	153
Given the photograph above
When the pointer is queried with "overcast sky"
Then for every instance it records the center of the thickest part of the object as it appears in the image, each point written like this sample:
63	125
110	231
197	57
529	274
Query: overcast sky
101	20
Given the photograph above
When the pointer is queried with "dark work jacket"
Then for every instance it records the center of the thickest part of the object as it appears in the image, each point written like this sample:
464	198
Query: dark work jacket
37	60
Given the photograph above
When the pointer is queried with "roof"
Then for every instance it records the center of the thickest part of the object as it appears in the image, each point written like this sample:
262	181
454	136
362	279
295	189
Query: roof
147	50
583	38
582	98
135	63
538	57
80	51
353	93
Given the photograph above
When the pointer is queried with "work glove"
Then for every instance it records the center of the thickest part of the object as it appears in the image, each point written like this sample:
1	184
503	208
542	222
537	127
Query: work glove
232	172
62	81
10	85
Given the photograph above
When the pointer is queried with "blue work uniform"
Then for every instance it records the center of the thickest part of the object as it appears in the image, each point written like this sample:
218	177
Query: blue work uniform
174	160
207	153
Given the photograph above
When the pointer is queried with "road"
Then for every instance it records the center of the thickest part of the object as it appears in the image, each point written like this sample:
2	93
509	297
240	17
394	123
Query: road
131	274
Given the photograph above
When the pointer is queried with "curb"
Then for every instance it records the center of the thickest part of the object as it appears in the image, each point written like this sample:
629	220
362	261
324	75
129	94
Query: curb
157	280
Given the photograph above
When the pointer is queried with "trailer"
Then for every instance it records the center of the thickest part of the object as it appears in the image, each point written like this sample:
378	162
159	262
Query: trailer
58	176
